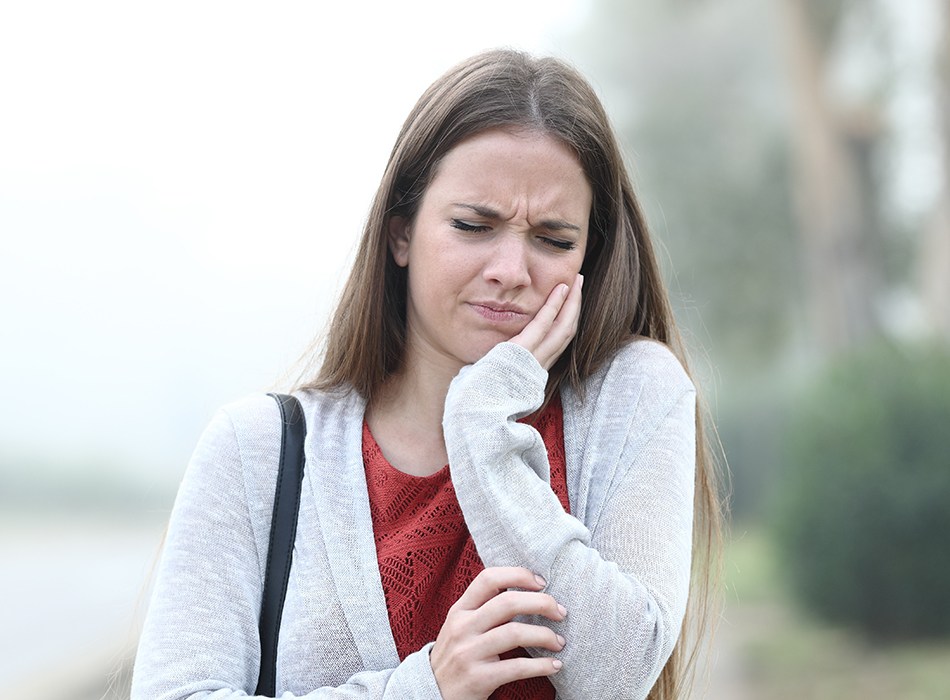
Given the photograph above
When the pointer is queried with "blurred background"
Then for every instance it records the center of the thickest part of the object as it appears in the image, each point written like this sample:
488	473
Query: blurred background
182	186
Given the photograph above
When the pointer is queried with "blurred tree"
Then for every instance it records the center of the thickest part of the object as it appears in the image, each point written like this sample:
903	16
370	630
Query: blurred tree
862	505
836	185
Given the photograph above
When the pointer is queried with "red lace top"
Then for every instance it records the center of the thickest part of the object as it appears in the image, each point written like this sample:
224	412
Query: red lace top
426	555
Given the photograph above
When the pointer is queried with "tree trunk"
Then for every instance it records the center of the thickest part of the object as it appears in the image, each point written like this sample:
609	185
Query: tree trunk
832	198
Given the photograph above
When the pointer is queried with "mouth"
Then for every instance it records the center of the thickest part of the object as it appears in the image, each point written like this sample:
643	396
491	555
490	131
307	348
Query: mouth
497	311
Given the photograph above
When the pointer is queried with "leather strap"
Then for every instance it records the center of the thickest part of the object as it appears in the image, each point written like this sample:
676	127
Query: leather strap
283	531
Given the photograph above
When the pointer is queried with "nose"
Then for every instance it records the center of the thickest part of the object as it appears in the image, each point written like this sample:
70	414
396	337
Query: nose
507	263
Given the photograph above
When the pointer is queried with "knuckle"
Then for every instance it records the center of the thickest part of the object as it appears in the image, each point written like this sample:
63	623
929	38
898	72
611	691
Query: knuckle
511	603
527	667
536	636
453	621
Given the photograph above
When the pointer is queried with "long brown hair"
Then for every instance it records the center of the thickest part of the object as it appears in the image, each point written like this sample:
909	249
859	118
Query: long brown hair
624	294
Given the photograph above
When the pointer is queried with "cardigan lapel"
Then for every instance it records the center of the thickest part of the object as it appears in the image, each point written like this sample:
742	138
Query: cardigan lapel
338	486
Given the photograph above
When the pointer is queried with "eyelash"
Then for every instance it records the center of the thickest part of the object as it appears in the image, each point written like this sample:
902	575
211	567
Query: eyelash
474	228
467	227
560	245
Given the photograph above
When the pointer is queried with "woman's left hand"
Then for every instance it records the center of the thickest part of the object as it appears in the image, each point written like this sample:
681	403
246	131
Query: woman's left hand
550	331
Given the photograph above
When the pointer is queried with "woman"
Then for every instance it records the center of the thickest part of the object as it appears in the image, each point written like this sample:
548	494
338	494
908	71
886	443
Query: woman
506	482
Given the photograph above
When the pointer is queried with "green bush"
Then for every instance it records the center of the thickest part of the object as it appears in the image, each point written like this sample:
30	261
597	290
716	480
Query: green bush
864	496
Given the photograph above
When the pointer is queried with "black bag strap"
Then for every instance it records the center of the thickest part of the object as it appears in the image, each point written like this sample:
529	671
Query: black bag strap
283	531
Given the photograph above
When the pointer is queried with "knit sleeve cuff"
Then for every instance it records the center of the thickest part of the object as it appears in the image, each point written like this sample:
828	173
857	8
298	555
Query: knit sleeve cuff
508	375
414	678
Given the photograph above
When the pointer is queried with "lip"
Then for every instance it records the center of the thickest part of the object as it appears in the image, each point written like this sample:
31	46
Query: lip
498	311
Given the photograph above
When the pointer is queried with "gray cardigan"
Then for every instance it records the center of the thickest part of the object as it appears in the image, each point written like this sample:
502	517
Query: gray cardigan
619	563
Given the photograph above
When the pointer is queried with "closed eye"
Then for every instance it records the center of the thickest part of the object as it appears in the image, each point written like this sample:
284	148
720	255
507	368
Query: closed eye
559	244
469	227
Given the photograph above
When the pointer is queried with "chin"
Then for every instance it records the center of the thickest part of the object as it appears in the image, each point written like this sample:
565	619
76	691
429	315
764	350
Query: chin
477	350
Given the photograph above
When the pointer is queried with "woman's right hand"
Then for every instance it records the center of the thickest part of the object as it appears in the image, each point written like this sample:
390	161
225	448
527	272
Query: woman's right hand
479	627
549	333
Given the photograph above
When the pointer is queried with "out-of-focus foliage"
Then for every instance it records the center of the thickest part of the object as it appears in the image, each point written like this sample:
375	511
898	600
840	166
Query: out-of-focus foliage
864	493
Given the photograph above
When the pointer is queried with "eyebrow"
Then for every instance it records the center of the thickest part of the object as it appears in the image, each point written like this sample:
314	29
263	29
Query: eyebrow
489	213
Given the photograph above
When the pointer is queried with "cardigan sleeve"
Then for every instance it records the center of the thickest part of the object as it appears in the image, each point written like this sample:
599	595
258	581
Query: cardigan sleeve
200	637
623	573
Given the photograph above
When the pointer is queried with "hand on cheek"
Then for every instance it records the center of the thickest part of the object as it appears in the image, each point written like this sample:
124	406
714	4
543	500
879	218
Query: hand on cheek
550	331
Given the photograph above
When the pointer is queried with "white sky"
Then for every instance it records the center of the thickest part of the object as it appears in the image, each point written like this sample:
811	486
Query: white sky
181	184
913	109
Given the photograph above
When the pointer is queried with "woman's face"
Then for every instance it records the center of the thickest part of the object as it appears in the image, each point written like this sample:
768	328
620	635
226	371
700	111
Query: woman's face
503	221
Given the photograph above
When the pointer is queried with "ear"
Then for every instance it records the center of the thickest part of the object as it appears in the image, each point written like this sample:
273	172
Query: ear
399	239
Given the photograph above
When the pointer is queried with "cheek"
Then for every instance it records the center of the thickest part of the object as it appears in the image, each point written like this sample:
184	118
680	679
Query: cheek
565	271
431	287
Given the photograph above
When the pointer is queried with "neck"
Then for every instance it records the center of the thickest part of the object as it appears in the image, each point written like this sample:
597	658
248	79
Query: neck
406	417
419	390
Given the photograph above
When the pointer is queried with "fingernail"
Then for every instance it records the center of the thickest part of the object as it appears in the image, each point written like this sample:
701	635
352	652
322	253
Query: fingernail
557	663
582	280
561	640
541	581
564	290
561	609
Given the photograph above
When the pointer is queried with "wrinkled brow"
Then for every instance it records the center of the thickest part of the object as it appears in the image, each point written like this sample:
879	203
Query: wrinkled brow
489	213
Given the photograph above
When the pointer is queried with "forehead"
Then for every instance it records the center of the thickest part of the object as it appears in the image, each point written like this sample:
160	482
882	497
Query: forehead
513	169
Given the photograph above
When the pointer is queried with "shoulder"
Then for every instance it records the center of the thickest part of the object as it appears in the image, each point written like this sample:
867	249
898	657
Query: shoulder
240	443
243	440
642	396
257	416
634	391
251	416
644	364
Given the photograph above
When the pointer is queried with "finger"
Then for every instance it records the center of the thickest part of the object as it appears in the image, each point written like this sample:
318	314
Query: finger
513	635
570	312
509	604
492	581
539	326
520	667
564	326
